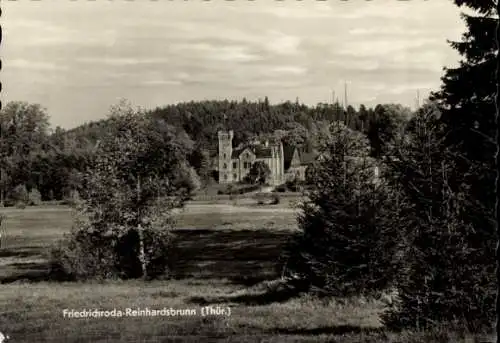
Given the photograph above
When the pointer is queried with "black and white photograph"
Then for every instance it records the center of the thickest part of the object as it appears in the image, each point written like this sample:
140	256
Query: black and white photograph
249	171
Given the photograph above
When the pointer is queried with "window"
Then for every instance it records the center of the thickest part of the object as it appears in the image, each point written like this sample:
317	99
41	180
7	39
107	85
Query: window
225	166
225	176
235	176
225	156
235	165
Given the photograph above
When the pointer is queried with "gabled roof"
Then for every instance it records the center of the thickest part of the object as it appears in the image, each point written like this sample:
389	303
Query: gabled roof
237	152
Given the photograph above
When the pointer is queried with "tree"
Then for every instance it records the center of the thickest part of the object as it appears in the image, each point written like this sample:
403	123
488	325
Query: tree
199	159
23	131
384	126
133	183
296	135
259	173
467	101
348	242
445	279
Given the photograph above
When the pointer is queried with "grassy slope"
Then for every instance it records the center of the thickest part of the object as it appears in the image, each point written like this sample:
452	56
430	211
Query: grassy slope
219	255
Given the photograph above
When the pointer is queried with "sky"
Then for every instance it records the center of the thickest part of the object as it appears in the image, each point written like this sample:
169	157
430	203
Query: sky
77	58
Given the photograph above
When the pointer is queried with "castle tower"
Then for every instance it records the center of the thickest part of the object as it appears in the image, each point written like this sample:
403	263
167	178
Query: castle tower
276	164
281	163
225	152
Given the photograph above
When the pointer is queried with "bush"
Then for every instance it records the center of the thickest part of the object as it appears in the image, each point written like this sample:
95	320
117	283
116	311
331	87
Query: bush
275	200
240	189
87	254
20	204
34	197
73	198
20	195
280	189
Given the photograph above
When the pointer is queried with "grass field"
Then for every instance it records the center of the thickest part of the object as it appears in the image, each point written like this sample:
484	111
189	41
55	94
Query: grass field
225	256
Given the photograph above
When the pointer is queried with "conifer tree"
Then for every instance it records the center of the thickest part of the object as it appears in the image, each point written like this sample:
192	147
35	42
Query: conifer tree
467	101
445	279
349	240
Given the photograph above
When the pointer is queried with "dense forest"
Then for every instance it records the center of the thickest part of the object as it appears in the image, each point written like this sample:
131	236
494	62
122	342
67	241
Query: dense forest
51	162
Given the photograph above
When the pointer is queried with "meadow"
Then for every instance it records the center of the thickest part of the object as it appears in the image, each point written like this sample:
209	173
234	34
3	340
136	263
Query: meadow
225	255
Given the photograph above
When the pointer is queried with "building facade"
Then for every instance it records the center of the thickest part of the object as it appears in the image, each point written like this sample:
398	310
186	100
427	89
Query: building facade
285	163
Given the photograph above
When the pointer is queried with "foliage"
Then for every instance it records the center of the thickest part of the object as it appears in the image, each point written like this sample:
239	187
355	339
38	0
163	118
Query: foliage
136	178
349	236
53	161
34	197
20	194
467	102
385	126
73	198
259	173
448	275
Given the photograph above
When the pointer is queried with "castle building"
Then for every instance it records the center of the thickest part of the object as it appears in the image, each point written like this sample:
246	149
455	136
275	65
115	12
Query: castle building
285	163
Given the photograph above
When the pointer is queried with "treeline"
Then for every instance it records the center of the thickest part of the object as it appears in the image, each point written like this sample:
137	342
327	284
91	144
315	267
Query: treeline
52	163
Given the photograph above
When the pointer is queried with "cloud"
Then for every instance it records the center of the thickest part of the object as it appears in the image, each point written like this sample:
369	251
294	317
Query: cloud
121	61
161	83
290	70
227	53
299	11
31	65
156	53
281	43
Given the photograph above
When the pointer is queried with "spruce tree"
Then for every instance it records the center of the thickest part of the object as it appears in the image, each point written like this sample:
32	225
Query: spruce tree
446	278
349	239
467	102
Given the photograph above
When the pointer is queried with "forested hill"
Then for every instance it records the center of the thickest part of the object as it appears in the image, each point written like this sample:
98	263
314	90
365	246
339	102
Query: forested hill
52	163
201	120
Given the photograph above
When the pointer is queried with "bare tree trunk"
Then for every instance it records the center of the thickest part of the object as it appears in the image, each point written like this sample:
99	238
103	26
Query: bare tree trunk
140	231
142	253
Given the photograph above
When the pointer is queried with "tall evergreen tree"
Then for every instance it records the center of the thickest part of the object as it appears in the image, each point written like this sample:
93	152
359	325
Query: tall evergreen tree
467	102
447	278
348	242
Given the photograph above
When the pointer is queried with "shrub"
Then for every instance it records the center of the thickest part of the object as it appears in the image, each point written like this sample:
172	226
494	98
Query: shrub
20	204
85	254
20	195
73	198
280	189
82	257
235	190
34	197
275	200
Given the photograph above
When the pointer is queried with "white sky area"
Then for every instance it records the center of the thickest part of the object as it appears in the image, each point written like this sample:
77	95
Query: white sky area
77	58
